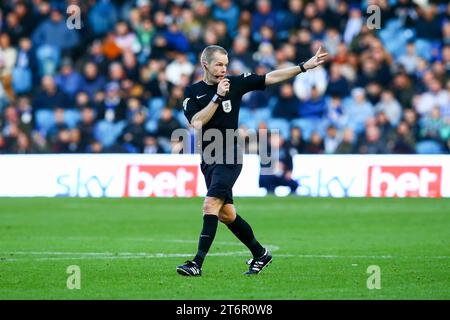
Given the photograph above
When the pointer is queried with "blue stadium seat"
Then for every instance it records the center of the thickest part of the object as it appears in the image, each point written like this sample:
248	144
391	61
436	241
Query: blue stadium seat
71	117
45	119
428	147
308	126
151	126
179	115
155	105
107	132
280	124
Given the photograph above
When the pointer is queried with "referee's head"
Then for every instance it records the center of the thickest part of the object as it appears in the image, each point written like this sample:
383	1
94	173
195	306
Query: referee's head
214	60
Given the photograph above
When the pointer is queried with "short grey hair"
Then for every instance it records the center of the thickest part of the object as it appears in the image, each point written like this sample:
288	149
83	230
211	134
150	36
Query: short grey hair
209	51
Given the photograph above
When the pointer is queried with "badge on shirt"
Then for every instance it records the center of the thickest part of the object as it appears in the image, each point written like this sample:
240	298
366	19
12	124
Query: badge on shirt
226	105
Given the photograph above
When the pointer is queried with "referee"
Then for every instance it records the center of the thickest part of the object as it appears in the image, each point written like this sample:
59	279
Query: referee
214	103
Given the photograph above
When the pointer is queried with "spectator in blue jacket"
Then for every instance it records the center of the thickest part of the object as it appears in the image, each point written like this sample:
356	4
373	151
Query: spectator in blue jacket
54	32
92	81
227	11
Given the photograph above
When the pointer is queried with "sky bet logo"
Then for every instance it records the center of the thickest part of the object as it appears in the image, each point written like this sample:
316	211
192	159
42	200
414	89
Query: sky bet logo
400	181
161	181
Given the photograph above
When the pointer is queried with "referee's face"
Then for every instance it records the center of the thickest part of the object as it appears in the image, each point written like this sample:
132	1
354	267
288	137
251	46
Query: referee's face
217	69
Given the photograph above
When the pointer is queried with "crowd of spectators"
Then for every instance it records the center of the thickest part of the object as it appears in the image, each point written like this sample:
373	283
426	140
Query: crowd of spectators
117	83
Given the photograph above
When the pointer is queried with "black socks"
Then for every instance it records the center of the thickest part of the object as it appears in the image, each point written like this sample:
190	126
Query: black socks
244	232
210	222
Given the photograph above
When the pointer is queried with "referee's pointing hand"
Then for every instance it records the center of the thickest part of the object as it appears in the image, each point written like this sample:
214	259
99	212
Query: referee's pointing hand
224	87
316	60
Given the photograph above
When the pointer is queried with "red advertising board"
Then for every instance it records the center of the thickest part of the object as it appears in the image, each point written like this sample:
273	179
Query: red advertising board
161	181
404	181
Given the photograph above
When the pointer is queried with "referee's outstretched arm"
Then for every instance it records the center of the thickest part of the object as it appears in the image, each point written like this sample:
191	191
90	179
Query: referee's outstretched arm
281	75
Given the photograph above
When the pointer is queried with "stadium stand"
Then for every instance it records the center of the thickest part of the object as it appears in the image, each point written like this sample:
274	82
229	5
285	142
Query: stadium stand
116	84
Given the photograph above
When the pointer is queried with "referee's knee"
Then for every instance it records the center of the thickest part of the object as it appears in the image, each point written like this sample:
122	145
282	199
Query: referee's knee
212	205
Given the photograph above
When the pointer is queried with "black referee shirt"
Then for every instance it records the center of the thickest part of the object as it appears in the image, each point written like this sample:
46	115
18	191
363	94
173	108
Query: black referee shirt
199	95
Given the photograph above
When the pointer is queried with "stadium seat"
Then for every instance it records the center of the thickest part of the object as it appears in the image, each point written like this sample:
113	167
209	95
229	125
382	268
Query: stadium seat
308	126
48	59
261	114
151	126
45	119
428	147
107	132
179	115
71	117
280	124
155	105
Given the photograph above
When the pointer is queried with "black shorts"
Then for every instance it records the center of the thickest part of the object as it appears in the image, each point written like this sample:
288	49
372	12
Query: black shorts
220	179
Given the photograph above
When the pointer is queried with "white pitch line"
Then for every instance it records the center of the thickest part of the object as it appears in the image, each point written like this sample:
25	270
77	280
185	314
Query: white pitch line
109	256
143	255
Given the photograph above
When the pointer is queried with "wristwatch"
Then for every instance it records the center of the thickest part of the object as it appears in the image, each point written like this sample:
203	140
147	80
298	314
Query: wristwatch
217	98
302	67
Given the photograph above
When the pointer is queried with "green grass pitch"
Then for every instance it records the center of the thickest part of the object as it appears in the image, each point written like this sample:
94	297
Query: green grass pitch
129	248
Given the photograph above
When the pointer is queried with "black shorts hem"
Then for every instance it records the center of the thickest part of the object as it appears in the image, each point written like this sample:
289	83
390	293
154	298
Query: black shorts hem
226	198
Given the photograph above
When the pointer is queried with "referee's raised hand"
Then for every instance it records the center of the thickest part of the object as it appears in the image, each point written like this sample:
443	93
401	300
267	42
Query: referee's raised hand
316	60
223	87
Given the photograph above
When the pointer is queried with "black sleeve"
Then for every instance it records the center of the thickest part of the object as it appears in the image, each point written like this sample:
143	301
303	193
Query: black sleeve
190	105
251	81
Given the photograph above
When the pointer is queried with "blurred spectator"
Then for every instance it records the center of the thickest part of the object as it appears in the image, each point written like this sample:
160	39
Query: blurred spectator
331	140
358	110
179	66
410	60
102	17
354	24
86	127
428	26
113	108
432	133
434	97
125	39
264	16
92	82
279	171
68	79
176	39
134	133
287	104
347	145
49	96
175	101
337	84
305	82
240	52
8	56
314	107
22	74
315	145
403	90
371	143
335	112
227	11
390	107
142	54
296	144
404	142
54	32
167	124
151	145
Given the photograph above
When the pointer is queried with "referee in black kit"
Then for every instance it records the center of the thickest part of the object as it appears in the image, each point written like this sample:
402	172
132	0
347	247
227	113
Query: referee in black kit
214	103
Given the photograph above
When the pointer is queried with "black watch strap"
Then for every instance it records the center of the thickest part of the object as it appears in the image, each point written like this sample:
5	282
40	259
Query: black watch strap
217	98
302	67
